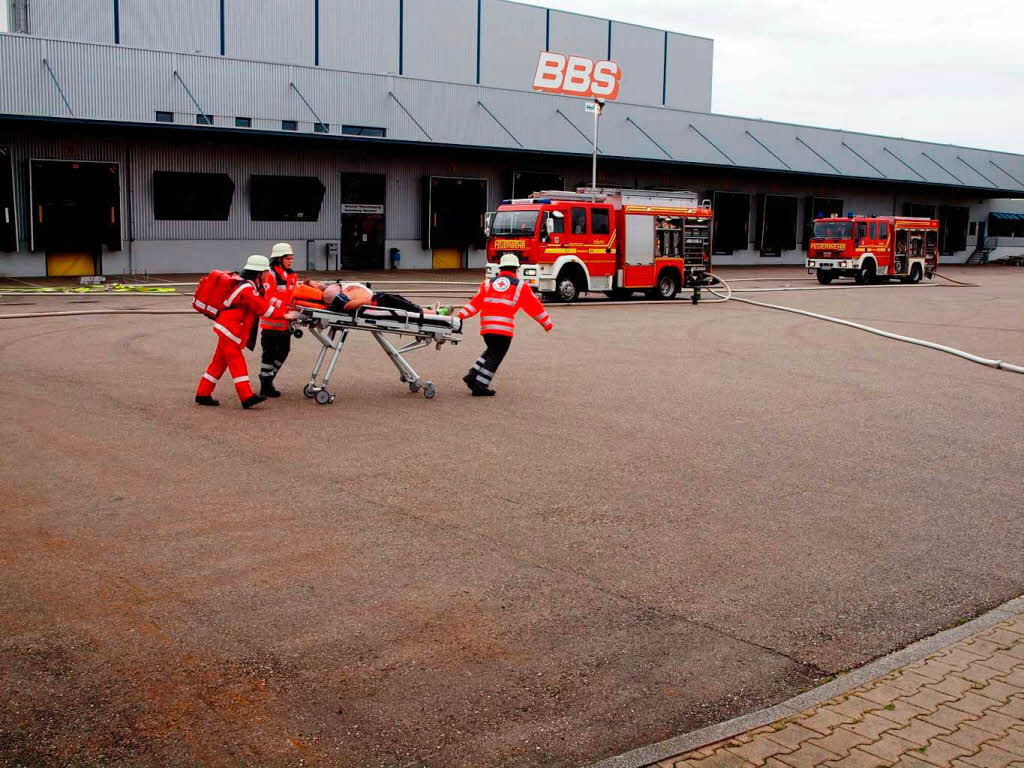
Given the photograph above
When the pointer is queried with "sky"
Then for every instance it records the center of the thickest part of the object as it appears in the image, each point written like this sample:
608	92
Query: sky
935	70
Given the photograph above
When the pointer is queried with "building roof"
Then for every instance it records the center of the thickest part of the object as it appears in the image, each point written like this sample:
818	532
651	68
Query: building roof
71	80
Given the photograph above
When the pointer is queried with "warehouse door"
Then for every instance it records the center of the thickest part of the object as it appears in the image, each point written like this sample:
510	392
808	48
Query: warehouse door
8	220
76	210
362	220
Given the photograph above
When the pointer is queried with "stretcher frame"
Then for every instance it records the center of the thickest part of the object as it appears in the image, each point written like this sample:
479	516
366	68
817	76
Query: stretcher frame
331	329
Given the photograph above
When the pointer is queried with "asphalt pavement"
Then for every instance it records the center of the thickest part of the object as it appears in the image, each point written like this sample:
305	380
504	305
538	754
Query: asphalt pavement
670	515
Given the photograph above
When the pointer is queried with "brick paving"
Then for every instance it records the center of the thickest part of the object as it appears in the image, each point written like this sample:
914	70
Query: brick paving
961	707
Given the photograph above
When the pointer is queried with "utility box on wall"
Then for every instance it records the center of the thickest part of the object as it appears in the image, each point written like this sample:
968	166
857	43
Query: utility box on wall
331	251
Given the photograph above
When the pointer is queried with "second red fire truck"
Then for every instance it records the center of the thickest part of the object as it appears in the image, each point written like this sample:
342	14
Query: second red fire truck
867	248
610	240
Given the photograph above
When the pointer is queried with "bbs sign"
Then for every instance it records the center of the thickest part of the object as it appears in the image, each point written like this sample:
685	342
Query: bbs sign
577	76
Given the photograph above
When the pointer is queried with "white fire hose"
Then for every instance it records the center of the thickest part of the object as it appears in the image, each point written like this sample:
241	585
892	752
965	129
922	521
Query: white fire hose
896	337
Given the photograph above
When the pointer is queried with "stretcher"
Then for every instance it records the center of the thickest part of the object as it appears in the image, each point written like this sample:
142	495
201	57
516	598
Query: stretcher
331	329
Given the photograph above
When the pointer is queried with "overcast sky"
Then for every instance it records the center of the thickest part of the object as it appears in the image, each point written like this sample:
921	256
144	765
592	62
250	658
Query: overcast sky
951	72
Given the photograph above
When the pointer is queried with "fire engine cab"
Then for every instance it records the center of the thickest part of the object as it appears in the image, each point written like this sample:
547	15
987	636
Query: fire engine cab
611	240
871	247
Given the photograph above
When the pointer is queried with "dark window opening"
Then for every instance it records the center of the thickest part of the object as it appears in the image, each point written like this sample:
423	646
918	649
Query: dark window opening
192	196
579	221
322	127
600	222
731	222
454	212
1005	225
558	228
819	208
524	183
883	230
363	130
243	122
862	231
776	224
873	230
164	117
202	119
289	125
953	228
285	198
972	230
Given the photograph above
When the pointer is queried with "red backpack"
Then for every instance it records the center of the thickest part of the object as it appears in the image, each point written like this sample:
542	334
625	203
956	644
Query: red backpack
213	290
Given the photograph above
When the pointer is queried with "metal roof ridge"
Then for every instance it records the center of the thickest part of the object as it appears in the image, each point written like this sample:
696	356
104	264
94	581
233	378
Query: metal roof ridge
606	19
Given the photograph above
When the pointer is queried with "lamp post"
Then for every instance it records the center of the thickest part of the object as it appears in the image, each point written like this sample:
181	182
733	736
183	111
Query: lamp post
596	107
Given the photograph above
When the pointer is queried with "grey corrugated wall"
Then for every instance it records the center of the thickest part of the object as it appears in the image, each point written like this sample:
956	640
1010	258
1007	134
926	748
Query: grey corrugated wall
640	53
189	26
580	35
88	20
270	30
359	35
512	37
440	40
690	61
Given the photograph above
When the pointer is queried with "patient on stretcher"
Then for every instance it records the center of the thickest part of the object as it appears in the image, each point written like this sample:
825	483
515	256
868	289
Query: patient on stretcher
347	297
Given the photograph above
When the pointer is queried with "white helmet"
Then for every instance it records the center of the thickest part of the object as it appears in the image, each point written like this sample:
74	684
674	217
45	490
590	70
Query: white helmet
281	250
509	260
257	263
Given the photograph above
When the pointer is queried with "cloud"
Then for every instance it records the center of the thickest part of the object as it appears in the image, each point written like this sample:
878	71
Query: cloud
944	72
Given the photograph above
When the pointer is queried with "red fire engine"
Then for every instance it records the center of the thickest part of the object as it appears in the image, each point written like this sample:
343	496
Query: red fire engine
872	247
611	240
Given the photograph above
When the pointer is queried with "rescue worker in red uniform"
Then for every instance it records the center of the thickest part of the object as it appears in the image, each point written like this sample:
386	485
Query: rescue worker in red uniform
498	300
236	326
278	282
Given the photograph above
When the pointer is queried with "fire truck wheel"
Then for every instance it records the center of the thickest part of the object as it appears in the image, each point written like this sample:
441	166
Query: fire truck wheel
866	274
825	276
667	287
915	273
567	287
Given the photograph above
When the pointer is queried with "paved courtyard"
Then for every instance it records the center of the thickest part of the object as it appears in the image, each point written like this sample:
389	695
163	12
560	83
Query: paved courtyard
669	516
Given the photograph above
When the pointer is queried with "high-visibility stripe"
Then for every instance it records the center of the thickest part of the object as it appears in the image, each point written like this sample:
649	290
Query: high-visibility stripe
270	311
226	332
542	317
509	302
208	377
481	369
519	289
483	381
240	379
497	319
237	291
505	328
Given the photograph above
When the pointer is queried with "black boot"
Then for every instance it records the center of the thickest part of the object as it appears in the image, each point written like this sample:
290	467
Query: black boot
471	382
254	400
483	392
267	388
206	400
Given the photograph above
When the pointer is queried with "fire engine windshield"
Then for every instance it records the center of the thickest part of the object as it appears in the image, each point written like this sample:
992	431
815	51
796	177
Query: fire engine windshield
836	230
515	223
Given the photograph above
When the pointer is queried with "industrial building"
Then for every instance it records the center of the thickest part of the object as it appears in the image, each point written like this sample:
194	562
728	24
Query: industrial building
178	135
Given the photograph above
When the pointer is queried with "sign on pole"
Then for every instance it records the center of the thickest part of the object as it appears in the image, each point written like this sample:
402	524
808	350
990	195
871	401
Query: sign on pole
577	76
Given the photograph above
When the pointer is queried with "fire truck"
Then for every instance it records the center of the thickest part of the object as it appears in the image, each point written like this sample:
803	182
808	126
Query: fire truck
869	248
611	240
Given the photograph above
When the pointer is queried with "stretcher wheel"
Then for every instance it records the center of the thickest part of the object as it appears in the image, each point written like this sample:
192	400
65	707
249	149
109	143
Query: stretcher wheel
297	333
323	397
428	391
309	390
414	386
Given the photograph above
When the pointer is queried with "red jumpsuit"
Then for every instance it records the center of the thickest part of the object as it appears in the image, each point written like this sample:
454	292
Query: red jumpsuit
498	300
234	326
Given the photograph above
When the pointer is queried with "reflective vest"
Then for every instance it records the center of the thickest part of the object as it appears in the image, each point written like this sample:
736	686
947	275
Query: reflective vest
237	320
499	299
278	283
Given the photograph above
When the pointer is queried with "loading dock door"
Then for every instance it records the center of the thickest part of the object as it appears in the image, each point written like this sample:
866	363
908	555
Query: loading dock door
453	218
76	209
8	216
776	224
363	228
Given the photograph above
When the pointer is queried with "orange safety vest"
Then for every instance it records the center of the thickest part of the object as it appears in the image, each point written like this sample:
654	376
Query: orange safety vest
499	299
278	284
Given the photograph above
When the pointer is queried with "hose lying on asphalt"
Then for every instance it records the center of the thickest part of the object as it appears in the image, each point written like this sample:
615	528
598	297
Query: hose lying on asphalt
896	337
74	312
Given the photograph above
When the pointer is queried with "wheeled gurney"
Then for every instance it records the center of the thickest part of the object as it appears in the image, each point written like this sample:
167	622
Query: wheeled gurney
331	329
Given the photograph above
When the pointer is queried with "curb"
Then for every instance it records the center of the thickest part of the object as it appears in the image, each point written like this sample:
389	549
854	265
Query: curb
687	742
